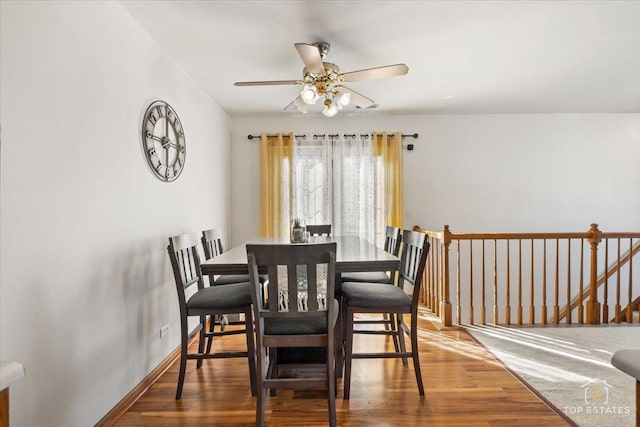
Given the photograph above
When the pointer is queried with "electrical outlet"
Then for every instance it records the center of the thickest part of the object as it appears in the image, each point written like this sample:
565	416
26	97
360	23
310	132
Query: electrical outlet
164	331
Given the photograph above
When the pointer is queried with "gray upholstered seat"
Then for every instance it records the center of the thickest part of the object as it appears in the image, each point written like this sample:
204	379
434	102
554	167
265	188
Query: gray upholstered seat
225	279
233	295
367	276
374	295
628	361
283	326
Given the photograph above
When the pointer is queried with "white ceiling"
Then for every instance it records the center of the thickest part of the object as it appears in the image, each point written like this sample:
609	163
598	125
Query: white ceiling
463	56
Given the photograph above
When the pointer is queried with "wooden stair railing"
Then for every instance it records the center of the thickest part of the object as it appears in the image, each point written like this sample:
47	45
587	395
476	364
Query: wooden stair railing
614	268
528	271
627	313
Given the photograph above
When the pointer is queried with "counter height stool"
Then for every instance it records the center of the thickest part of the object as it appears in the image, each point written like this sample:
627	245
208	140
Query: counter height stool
384	298
628	361
207	301
301	312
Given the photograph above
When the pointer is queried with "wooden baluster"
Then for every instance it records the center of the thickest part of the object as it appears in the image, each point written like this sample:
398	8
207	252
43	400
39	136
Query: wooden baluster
543	311
458	293
434	276
508	307
617	307
581	291
471	282
532	318
445	301
495	282
436	290
630	288
556	307
483	313
605	302
593	306
568	317
519	281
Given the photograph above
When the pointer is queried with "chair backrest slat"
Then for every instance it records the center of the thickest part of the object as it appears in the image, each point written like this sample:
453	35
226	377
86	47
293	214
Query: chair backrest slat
212	243
392	240
185	263
415	248
319	230
303	287
292	287
312	291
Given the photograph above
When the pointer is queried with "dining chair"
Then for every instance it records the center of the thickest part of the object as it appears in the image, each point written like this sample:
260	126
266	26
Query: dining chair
319	230
383	298
301	312
391	246
207	301
212	245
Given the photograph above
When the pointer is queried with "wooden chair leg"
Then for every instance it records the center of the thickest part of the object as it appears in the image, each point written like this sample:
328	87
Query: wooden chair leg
339	339
262	391
251	350
393	326
184	340
415	353
331	379
202	340
348	349
387	319
272	370
212	325
261	407
400	335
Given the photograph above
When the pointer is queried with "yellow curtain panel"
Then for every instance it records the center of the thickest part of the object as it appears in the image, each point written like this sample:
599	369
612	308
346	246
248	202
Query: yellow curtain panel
276	153
389	149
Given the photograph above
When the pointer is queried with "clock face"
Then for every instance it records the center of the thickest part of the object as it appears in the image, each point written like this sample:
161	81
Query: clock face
163	141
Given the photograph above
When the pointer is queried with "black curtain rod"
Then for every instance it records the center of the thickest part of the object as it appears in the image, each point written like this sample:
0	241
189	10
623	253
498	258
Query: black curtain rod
250	137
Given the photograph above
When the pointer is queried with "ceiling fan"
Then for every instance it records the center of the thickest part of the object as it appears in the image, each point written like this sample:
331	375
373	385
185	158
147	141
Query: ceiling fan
324	79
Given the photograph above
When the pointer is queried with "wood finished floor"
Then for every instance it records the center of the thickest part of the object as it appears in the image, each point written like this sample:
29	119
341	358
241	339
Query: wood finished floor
464	386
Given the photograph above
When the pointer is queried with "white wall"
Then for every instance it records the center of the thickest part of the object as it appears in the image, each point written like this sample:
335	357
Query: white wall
481	173
85	280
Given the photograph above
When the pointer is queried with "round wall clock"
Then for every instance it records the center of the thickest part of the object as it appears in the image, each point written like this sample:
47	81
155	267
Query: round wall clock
163	141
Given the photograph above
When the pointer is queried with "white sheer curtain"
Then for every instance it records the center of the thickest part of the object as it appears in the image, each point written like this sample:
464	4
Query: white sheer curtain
334	181
354	180
311	188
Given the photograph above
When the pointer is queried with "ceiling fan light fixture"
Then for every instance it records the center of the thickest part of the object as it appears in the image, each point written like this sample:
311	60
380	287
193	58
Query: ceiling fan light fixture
309	94
344	98
301	105
330	108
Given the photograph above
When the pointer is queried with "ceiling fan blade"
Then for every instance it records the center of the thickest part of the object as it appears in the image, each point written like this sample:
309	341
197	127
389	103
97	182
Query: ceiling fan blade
375	73
356	98
311	57
298	104
292	104
269	83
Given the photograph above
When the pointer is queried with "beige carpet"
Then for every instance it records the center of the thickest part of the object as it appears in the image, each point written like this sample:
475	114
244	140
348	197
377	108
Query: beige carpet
570	367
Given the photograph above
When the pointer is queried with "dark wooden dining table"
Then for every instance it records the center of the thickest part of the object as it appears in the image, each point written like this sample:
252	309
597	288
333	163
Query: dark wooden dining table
353	254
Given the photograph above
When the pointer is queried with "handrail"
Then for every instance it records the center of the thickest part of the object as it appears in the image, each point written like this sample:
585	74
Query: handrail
613	269
436	282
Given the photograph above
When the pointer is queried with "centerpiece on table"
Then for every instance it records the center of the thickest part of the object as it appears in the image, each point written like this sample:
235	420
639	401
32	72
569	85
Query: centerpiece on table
297	231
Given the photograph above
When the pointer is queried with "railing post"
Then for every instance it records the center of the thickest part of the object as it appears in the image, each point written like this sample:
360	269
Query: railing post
593	306
445	303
